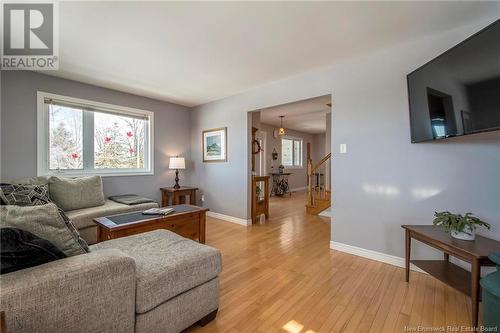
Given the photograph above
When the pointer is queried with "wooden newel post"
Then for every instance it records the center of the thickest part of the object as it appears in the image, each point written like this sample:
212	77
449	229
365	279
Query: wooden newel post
309	175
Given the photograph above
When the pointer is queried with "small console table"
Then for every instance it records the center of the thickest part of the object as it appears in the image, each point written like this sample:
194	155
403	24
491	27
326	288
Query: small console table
260	197
280	184
178	195
474	252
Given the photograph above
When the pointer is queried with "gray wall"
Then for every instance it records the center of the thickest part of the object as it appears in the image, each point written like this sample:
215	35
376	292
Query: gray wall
19	121
384	180
318	147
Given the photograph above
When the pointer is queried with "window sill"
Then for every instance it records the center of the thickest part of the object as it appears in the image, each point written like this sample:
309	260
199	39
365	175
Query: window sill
294	167
102	174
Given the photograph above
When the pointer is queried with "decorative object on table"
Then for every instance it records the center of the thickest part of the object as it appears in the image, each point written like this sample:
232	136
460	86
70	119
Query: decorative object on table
459	226
281	130
491	296
281	168
280	184
177	163
158	211
215	145
275	154
178	195
258	191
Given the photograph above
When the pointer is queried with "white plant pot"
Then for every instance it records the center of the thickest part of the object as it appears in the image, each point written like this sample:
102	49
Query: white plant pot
469	234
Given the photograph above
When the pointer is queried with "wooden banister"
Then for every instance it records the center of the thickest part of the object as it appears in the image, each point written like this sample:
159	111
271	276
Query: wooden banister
320	163
310	173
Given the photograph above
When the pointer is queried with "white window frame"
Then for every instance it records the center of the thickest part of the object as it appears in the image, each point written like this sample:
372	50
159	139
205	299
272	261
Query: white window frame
43	137
293	166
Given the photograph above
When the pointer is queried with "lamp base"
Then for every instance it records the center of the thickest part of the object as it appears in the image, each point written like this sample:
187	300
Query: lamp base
177	186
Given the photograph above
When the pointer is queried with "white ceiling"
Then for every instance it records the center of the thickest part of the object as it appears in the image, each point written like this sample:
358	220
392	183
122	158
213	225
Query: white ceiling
195	52
308	116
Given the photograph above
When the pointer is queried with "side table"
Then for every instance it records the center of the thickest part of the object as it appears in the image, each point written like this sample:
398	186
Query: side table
178	195
474	252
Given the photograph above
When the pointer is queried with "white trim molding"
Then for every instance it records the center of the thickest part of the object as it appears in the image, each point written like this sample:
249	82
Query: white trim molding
373	255
229	218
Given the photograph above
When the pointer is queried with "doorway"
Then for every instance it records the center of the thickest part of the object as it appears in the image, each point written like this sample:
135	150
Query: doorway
293	141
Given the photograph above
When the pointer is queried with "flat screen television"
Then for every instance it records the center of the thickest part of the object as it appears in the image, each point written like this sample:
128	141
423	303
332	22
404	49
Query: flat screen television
458	93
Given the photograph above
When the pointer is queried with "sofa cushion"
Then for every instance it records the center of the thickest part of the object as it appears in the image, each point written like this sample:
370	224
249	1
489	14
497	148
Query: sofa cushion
36	195
24	194
46	222
82	218
166	265
37	180
76	193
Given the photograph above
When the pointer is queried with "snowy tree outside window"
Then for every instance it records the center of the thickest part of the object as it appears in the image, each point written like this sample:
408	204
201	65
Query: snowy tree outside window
84	139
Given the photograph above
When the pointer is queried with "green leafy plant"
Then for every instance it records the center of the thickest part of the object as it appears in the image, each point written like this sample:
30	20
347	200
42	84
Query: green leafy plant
258	190
457	222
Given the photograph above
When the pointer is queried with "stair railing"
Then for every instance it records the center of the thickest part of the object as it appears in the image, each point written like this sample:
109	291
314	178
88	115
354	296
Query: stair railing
318	179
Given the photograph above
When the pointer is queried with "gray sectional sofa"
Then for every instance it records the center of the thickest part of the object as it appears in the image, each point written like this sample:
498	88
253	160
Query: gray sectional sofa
156	281
151	282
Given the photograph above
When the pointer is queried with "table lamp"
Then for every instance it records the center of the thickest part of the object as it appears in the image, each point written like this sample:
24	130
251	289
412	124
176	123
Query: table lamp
177	163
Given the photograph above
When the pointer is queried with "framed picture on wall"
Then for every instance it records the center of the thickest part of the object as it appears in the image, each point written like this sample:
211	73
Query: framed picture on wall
214	145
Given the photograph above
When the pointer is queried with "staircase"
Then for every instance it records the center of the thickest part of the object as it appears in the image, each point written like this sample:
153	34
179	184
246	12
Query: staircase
318	185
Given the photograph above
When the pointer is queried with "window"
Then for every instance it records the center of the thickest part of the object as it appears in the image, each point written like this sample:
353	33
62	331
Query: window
78	137
291	152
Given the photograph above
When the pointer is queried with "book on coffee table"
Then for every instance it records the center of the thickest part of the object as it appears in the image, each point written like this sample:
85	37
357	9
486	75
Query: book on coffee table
158	211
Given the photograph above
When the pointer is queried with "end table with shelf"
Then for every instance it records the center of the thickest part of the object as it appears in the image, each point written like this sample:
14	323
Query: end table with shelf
474	252
178	195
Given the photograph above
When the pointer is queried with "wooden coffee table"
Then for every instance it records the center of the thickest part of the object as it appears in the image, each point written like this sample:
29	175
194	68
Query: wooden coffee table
186	220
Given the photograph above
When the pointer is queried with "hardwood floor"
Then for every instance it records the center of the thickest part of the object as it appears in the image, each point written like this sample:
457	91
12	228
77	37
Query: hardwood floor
281	276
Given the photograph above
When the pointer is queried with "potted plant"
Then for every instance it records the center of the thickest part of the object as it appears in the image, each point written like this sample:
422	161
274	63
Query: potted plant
258	191
459	226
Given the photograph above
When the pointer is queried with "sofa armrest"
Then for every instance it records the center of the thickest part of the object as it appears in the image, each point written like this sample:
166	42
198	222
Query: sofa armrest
85	293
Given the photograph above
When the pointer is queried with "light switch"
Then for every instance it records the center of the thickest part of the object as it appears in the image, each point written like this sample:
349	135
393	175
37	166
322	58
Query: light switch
343	148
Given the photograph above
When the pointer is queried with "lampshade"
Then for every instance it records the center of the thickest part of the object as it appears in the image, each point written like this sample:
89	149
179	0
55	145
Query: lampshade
177	163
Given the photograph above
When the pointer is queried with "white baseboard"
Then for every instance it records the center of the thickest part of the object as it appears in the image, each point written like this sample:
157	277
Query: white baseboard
374	255
303	188
229	218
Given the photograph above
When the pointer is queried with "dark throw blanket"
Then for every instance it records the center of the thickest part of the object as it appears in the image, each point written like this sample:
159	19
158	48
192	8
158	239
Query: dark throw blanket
20	249
130	199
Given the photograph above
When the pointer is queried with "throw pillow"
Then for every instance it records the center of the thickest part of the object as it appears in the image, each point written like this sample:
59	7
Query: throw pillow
72	229
20	249
35	195
24	194
77	193
46	222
